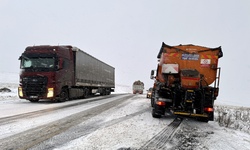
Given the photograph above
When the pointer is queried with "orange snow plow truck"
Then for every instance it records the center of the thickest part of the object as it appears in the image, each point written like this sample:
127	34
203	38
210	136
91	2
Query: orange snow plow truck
186	81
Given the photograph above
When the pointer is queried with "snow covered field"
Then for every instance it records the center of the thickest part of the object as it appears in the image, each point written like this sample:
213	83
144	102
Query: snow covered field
9	80
231	122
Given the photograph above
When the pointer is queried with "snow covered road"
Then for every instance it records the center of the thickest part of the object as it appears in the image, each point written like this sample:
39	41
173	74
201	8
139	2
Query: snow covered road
137	131
27	129
115	122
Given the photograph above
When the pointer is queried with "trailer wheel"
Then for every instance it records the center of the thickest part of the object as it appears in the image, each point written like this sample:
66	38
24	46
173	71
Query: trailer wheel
64	95
103	92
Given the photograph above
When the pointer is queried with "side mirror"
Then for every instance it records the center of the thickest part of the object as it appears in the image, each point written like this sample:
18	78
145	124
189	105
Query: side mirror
152	74
20	58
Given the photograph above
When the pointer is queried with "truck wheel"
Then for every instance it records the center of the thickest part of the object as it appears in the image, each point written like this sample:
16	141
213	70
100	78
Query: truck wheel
34	100
152	102
154	114
64	95
103	92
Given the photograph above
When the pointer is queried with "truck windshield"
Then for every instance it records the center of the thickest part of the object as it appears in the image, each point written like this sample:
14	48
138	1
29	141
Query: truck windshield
38	63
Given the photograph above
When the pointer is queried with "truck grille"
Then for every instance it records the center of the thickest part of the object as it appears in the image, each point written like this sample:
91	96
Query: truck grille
34	86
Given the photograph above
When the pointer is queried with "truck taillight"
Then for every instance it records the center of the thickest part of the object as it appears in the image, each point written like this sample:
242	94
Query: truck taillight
160	103
50	92
20	91
208	109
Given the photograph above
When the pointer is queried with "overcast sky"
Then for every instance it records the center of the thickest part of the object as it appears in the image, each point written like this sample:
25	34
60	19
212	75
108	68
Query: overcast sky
127	34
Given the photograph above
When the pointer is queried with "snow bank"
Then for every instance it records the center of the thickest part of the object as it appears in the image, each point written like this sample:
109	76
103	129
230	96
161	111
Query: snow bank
233	117
9	95
9	80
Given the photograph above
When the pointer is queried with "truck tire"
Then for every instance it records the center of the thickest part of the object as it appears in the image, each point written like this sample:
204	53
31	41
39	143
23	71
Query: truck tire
152	99
64	95
152	102
103	92
33	100
154	115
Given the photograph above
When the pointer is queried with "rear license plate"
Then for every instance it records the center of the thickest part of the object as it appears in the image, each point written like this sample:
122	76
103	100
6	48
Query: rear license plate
33	96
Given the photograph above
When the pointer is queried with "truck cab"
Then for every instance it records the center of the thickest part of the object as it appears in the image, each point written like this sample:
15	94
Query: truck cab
45	71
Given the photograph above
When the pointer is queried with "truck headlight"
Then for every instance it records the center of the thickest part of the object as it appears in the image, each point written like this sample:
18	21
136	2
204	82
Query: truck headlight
50	92
20	92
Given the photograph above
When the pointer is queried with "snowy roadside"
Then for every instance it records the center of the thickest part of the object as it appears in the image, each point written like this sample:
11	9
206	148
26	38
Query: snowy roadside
9	95
233	117
9	80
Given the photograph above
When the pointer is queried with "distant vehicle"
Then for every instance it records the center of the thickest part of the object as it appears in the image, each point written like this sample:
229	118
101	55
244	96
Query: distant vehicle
138	87
149	92
59	73
183	78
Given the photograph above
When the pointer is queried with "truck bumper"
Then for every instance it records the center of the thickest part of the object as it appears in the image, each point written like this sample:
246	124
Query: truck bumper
49	94
209	115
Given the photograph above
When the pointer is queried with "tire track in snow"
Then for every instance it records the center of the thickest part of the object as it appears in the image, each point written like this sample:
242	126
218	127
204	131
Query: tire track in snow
159	140
82	130
10	119
32	137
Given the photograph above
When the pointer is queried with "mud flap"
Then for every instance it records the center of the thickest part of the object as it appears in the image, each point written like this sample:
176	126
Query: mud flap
210	116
